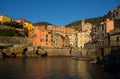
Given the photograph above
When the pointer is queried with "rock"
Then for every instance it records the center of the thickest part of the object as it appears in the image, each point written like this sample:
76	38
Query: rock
111	62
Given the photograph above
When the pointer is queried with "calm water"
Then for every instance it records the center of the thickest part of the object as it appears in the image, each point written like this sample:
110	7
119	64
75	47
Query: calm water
50	68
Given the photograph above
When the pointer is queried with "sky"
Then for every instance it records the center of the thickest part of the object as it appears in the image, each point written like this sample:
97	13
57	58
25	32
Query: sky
58	12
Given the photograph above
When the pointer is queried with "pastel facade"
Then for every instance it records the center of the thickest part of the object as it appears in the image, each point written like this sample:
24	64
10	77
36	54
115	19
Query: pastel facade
84	35
42	37
115	34
83	38
71	34
58	41
26	24
4	19
49	37
104	30
59	36
86	26
58	29
61	40
100	34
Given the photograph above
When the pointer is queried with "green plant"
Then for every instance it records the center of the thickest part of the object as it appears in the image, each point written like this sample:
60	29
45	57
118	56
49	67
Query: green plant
9	32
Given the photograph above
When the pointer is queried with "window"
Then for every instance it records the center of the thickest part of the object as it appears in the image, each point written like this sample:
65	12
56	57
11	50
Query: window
117	39
24	24
113	16
51	36
103	27
46	35
116	13
46	40
103	35
76	34
95	30
41	40
81	47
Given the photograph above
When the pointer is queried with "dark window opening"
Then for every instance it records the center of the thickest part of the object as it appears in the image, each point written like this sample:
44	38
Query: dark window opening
113	15
46	40
116	13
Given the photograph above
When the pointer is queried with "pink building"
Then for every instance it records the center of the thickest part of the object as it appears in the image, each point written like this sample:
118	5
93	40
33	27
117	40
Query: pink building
43	37
51	36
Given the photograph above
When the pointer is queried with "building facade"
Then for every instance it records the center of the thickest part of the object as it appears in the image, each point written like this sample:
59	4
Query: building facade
83	38
113	14
4	19
45	37
71	34
84	35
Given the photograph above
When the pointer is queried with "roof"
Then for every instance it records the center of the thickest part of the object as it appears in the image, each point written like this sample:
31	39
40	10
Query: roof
6	16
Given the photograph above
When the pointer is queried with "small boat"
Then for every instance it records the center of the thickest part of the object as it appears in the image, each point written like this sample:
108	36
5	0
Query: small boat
83	58
94	61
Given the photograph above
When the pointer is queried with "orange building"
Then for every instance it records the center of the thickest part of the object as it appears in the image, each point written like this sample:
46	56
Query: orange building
43	37
51	36
102	32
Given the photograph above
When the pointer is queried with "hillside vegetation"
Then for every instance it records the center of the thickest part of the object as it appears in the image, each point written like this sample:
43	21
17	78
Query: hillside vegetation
93	21
9	32
42	23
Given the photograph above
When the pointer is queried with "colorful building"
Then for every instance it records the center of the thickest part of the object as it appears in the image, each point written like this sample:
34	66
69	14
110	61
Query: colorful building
43	37
84	35
4	19
71	34
100	33
61	40
115	34
49	37
58	29
83	38
26	25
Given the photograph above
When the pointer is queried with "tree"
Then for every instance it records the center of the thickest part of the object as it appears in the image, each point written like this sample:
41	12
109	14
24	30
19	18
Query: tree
13	24
9	32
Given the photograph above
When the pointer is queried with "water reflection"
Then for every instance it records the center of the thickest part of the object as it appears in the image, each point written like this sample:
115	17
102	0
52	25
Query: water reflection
50	68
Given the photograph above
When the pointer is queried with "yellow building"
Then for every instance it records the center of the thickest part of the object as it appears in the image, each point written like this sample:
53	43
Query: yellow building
27	25
4	19
69	30
83	37
71	33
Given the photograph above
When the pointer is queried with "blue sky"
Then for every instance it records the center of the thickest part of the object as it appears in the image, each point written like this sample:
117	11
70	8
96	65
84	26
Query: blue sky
58	12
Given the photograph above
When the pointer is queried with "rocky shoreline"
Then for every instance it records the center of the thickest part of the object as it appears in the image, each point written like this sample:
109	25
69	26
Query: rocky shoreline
31	51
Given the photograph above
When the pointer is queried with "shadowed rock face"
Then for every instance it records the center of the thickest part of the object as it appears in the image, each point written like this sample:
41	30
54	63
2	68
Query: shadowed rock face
112	62
13	40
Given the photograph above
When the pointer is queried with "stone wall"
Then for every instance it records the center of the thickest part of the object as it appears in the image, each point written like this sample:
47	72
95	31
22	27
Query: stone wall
58	52
13	40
